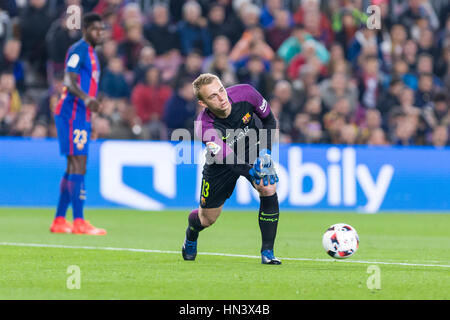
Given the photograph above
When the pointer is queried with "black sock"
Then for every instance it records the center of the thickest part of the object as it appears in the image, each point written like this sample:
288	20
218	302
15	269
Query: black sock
194	226
268	220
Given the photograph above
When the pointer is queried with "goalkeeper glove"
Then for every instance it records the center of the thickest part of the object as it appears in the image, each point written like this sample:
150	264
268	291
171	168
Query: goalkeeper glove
264	169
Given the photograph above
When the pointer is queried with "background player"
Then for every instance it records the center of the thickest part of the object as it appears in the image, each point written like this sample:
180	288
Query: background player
224	110
73	123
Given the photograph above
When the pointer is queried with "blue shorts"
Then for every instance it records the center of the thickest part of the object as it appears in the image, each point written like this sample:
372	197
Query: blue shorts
73	135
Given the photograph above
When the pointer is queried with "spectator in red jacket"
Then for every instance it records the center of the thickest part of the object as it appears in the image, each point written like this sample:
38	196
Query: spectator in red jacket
280	30
149	99
307	57
315	21
104	6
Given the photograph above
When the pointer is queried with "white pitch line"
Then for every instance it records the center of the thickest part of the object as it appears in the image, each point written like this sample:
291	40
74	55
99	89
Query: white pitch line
17	244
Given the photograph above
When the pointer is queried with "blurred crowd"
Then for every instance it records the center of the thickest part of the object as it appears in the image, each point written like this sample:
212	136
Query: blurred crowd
327	76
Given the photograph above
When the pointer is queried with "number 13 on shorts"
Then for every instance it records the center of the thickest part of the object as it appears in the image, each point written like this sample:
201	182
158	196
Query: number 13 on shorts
205	188
205	192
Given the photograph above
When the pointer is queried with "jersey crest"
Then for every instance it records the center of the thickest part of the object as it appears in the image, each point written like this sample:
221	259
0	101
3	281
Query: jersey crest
246	118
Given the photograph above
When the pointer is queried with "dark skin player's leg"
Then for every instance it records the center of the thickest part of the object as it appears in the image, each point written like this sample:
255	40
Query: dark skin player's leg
76	165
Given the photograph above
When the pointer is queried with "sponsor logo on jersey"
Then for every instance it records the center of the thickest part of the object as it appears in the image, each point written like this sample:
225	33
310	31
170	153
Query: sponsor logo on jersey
240	134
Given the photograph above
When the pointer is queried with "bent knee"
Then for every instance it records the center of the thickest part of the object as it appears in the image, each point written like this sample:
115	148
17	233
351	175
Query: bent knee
207	221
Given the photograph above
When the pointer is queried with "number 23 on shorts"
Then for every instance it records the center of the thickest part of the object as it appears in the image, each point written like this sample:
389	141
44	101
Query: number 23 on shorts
80	138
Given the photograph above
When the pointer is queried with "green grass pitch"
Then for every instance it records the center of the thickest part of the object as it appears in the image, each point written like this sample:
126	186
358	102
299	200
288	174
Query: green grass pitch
412	252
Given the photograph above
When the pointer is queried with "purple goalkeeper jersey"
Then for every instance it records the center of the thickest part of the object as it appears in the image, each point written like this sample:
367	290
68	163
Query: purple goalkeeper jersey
221	135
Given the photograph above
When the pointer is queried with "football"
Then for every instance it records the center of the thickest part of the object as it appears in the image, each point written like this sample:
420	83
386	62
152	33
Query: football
340	241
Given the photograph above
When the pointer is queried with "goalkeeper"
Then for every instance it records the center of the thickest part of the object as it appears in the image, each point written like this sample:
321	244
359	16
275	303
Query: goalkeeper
226	125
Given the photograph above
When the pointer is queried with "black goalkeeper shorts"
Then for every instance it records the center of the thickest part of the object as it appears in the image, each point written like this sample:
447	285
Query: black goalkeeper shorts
218	183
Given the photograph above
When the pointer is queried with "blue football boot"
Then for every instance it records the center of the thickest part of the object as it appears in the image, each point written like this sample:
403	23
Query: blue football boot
189	250
267	257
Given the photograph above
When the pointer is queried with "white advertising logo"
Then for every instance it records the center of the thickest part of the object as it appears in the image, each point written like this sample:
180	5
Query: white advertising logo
374	190
114	155
338	181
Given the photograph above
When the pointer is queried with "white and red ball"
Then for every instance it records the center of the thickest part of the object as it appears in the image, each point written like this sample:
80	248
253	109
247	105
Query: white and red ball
340	241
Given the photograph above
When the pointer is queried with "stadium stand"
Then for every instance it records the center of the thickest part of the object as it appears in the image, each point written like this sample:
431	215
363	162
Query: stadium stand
328	77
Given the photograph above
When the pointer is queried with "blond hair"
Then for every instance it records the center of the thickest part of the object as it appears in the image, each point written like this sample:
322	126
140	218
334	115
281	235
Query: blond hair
203	79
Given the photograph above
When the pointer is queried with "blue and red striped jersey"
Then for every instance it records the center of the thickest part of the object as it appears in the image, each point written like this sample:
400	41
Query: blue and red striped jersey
81	59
